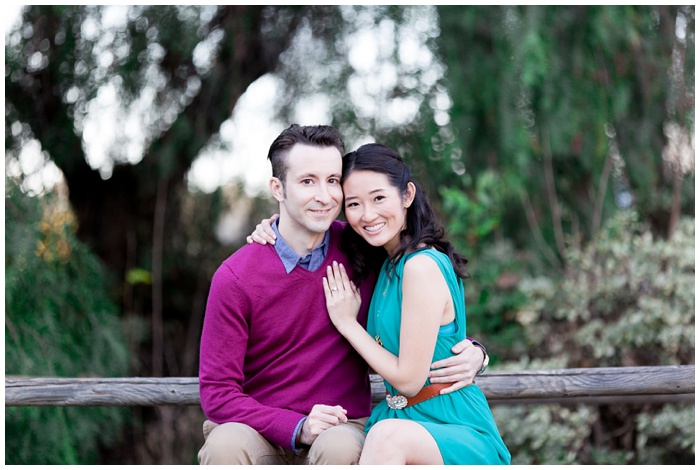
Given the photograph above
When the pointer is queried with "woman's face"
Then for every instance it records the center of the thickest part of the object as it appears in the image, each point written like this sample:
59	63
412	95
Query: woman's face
375	209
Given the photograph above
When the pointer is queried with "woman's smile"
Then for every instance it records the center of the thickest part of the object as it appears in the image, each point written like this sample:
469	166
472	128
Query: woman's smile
375	228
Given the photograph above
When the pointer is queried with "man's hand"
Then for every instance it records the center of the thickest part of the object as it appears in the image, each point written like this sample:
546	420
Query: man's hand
322	417
461	368
263	233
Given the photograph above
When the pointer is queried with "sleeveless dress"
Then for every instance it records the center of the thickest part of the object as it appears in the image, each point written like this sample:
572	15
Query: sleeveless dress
460	422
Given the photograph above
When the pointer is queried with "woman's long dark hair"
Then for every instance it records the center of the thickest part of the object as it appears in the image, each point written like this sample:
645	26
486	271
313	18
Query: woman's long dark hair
422	226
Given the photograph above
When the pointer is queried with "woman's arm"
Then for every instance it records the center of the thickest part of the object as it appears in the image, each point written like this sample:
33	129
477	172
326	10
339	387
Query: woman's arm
421	317
426	305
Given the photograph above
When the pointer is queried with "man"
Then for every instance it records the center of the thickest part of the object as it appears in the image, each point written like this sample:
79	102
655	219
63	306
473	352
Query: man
278	383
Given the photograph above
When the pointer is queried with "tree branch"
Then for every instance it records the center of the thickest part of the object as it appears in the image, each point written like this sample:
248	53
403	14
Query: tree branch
602	189
536	233
552	194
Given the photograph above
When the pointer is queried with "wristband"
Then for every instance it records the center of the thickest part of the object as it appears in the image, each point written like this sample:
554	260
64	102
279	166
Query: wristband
485	364
478	344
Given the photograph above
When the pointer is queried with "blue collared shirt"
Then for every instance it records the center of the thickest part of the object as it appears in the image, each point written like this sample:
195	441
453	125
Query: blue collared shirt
290	259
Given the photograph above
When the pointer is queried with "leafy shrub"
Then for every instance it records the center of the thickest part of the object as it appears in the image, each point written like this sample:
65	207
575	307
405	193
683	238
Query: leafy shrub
59	321
545	434
627	299
667	435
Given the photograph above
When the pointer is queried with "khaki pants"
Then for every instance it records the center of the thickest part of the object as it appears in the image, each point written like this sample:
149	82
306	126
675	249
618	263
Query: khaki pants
239	444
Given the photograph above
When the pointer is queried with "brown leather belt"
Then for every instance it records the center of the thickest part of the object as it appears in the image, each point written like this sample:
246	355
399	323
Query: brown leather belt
398	402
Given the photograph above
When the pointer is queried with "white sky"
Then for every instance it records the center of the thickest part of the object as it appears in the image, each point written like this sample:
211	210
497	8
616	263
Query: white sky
11	14
248	133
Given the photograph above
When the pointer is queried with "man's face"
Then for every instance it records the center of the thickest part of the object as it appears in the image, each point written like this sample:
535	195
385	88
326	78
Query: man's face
311	198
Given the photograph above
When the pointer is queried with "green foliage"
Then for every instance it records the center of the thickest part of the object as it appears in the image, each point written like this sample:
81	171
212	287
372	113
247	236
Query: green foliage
59	321
547	434
559	435
139	276
473	218
668	431
493	300
568	105
626	299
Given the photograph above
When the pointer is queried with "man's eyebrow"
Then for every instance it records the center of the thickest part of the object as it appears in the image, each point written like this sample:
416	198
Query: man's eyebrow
314	175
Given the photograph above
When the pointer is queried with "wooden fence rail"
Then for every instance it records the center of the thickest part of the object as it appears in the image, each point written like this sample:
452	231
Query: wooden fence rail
657	383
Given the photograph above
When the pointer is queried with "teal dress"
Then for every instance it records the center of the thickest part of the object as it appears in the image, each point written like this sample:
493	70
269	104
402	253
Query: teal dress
460	422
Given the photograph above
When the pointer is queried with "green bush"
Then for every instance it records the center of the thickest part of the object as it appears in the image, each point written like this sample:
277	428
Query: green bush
59	321
627	299
545	434
473	224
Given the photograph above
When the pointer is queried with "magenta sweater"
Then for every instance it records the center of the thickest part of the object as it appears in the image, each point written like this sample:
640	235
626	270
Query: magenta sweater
269	352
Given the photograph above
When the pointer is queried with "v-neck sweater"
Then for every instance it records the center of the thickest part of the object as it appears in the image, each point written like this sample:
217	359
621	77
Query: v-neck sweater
269	351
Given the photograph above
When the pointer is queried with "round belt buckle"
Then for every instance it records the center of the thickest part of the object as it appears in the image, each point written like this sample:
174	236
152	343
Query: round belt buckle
396	402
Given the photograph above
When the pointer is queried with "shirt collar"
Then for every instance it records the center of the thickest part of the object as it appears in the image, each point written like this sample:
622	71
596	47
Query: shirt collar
290	258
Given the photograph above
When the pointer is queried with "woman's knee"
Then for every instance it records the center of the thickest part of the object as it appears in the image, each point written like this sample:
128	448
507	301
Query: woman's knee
395	441
381	443
384	432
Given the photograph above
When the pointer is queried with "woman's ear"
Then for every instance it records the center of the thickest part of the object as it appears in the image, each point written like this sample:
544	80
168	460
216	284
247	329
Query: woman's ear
277	189
410	195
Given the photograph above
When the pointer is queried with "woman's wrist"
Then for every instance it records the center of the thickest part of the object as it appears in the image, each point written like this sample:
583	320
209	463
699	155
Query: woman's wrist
347	327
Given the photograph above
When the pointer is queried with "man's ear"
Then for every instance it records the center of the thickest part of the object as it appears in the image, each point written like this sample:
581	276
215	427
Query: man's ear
277	189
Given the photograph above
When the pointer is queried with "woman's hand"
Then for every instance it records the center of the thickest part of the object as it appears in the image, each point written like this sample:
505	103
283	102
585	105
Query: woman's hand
342	297
263	233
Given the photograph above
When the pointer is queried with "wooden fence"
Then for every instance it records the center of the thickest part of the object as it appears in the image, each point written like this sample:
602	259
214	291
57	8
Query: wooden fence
628	384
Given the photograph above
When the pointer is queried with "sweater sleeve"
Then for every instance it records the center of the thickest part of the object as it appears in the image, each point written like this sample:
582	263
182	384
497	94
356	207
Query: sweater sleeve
222	353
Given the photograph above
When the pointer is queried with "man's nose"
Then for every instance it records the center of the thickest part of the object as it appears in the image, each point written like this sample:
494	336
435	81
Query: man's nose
322	195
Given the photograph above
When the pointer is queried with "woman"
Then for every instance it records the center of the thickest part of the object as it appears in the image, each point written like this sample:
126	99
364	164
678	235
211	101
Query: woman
417	314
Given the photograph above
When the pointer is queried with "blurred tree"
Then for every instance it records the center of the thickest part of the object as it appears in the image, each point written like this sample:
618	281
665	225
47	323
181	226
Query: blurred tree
576	108
190	64
59	321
